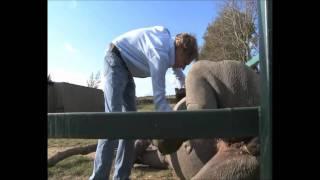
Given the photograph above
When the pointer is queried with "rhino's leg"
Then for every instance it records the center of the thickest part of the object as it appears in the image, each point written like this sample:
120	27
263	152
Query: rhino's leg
192	156
154	159
140	147
147	154
199	93
195	153
231	162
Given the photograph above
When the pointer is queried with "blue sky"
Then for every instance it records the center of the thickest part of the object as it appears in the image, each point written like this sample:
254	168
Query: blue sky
79	32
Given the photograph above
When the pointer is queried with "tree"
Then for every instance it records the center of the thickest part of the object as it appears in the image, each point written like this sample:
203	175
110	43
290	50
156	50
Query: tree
49	79
233	35
94	81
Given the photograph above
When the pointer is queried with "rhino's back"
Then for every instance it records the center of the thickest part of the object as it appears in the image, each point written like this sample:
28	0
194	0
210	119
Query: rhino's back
234	83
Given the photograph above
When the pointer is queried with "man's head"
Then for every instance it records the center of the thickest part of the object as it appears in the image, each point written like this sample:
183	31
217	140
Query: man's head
186	50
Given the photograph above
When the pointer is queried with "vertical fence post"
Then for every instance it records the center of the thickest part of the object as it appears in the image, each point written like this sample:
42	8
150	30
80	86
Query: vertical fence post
265	52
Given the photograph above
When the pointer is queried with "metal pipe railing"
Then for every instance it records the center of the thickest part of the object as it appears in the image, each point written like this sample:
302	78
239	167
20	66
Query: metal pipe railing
265	120
229	122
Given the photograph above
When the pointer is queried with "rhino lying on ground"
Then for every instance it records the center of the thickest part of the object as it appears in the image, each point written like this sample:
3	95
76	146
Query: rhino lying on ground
211	85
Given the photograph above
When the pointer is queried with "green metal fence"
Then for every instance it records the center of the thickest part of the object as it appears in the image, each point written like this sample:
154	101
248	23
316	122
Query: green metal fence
265	120
229	122
186	124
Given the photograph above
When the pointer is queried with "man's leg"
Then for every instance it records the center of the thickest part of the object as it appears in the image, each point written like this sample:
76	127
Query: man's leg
124	159
116	79
125	153
103	159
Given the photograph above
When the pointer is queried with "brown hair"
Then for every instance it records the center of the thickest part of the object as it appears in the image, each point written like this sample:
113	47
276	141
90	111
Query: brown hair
189	45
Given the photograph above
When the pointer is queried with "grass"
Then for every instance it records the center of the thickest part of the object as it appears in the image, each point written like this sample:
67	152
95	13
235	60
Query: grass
145	107
80	167
152	174
74	167
69	142
148	107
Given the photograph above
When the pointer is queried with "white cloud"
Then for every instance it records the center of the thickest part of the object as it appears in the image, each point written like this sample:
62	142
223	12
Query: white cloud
69	48
62	75
171	83
101	82
143	86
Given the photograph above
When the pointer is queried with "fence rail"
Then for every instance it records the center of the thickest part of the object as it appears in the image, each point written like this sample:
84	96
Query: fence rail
228	122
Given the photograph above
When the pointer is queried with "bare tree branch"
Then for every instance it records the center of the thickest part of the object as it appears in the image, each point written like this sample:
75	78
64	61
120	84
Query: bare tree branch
94	81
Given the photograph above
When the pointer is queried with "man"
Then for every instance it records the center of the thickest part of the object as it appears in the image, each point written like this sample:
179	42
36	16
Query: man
142	53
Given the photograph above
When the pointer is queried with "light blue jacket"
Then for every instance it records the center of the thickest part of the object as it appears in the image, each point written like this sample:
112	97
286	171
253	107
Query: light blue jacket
149	52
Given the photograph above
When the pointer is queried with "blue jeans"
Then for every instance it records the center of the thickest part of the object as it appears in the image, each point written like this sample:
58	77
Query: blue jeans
119	95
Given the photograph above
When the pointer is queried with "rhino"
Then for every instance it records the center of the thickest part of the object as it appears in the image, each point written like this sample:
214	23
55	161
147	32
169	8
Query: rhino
211	85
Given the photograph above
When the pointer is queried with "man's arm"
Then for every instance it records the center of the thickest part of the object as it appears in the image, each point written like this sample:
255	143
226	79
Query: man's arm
158	68
180	90
180	77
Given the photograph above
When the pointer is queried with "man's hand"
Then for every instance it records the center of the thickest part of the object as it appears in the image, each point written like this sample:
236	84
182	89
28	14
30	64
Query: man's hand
180	93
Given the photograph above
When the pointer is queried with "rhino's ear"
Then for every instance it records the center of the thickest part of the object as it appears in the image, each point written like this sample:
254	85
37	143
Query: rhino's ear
254	146
167	146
